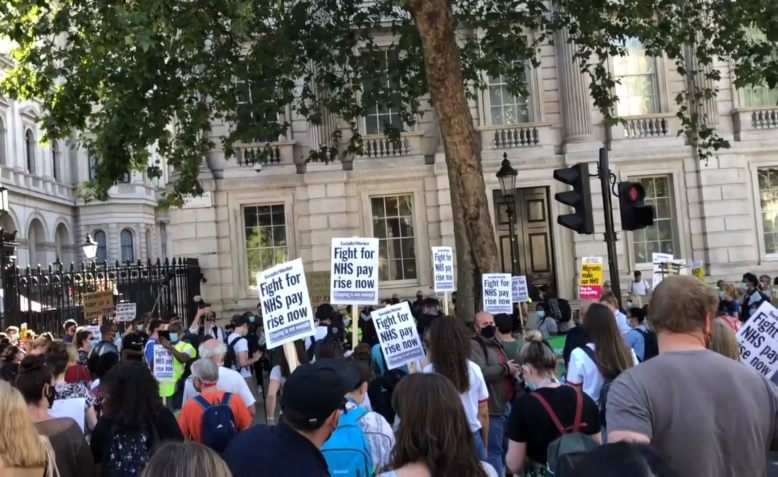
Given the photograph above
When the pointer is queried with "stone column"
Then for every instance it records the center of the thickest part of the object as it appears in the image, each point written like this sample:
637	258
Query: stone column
706	107
573	92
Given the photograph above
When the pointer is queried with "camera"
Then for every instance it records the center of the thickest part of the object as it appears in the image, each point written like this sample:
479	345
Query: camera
200	302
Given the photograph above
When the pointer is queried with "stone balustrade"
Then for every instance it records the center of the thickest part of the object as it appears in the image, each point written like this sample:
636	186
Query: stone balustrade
268	153
378	145
514	136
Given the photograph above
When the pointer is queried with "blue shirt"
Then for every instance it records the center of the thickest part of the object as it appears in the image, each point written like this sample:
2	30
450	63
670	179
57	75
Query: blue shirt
635	340
278	451
149	352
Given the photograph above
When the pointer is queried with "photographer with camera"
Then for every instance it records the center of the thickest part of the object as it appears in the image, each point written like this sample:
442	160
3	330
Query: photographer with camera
204	323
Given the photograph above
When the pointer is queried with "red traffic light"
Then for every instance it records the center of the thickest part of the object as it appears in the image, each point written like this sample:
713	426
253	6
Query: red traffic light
636	192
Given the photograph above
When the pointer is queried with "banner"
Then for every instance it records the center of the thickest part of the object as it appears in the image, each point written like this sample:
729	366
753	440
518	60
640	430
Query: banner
354	279
318	287
443	269
698	270
163	363
286	306
126	311
758	340
519	289
398	335
658	259
97	304
497	293
590	287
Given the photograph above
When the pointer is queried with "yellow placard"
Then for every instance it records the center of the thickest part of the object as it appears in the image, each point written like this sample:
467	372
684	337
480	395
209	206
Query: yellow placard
699	272
591	274
97	304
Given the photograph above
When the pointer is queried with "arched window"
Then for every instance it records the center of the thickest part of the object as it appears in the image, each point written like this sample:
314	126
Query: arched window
36	236
62	243
29	143
55	154
102	251
149	245
3	134
128	252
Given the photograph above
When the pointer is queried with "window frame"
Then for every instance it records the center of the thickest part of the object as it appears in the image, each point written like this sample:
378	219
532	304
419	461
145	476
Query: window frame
679	249
96	237
659	84
533	103
404	128
122	245
3	140
402	258
280	117
245	249
30	151
56	155
760	230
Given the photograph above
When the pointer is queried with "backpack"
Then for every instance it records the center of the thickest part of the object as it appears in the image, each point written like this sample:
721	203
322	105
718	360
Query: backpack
380	390
565	451
346	451
231	359
218	423
650	346
129	452
606	386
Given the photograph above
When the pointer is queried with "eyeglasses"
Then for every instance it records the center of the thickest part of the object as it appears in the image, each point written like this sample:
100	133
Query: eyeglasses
210	319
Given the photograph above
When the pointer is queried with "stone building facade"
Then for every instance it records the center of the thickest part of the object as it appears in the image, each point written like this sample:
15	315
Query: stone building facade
722	212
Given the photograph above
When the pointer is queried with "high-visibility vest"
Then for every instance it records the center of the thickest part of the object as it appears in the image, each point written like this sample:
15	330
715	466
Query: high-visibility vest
167	387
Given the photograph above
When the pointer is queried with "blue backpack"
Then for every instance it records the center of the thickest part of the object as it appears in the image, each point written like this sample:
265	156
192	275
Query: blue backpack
218	423
346	451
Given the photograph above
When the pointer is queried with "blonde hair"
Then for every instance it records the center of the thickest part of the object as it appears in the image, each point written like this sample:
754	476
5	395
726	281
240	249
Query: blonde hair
536	352
723	340
20	445
72	353
729	291
185	458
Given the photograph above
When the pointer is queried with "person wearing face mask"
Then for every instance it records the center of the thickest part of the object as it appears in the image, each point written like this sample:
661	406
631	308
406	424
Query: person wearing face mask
71	450
531	425
83	342
183	353
499	373
134	340
70	331
753	297
544	323
312	401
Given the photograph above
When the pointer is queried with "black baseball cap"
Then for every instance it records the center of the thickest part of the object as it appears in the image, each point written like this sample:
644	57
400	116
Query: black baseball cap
240	320
314	391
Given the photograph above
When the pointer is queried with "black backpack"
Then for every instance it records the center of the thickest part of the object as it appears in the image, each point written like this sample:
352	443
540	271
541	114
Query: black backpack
651	345
606	386
380	391
231	358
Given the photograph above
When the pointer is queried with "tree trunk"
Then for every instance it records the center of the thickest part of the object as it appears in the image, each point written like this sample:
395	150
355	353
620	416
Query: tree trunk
463	148
465	306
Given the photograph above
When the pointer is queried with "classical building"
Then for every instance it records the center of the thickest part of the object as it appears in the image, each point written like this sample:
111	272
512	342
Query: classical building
722	212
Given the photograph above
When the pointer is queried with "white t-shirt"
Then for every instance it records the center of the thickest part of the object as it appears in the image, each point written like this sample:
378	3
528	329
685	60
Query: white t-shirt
583	371
229	381
275	375
639	288
320	332
241	346
477	393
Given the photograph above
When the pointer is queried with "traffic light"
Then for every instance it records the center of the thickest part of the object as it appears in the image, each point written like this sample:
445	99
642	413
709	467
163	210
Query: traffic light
579	198
635	214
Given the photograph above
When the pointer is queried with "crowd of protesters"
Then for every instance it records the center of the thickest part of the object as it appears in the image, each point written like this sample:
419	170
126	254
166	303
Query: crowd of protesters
638	391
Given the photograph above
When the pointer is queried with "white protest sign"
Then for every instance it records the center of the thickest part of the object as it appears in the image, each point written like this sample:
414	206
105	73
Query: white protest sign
126	311
758	340
519	289
443	269
163	363
397	333
286	305
497	293
354	271
74	408
658	259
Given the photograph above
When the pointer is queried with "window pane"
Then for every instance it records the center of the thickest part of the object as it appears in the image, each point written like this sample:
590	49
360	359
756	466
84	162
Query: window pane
265	232
768	200
506	108
393	226
637	87
660	237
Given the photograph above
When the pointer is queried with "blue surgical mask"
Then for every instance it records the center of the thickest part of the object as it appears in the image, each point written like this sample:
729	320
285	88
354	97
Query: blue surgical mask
174	337
540	313
532	386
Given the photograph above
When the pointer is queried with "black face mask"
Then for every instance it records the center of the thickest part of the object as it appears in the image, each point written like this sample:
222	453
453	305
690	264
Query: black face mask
49	394
488	332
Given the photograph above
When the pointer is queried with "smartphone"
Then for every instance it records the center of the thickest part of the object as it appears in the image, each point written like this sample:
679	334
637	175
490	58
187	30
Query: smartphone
164	334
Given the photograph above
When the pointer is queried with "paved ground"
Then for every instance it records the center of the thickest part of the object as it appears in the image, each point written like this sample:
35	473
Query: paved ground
772	465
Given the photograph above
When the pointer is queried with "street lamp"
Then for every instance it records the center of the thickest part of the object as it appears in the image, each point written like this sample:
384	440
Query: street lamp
507	176
90	248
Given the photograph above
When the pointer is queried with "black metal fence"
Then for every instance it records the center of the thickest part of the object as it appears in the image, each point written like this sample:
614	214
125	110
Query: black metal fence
45	298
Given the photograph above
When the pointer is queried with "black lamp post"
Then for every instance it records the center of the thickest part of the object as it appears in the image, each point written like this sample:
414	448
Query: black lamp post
507	176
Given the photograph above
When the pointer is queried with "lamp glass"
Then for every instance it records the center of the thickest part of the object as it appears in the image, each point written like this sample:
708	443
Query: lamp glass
90	248
507	176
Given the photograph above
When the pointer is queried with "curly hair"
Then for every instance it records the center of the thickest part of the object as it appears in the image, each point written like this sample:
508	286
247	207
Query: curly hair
57	357
132	395
449	350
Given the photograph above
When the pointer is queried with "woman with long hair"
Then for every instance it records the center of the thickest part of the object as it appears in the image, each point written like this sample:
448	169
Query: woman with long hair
434	437
448	349
83	343
23	452
184	459
76	372
134	420
277	378
70	447
728	302
723	339
58	358
603	357
531	427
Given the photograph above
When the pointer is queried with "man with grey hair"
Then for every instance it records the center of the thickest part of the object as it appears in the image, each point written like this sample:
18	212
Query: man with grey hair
229	380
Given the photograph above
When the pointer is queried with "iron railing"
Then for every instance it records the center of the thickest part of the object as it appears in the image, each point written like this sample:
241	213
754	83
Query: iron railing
45	298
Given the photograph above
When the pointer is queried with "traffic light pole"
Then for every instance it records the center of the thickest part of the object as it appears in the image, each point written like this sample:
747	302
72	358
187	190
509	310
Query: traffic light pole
610	234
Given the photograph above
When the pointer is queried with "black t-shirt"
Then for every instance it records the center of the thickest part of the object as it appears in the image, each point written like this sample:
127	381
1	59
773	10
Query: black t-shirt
135	341
529	422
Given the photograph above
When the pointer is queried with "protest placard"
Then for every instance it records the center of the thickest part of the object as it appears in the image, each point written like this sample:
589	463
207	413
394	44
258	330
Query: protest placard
519	289
443	269
658	259
97	304
286	306
354	277
758	340
318	287
497	293
397	334
591	278
698	270
126	311
163	363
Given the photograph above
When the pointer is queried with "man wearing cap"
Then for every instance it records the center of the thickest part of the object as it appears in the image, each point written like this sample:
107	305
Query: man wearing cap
311	403
70	331
240	345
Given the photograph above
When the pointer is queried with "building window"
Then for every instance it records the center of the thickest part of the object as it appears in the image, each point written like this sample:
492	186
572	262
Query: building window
255	113
128	251
266	245
125	178
637	88
3	136
102	251
55	160
660	237
29	149
758	96
92	167
504	107
381	116
768	199
393	226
